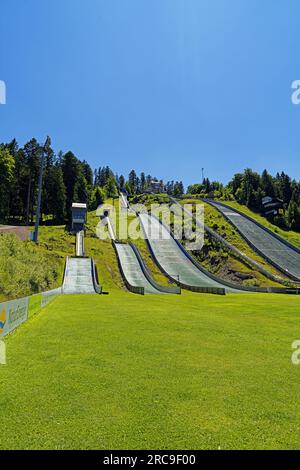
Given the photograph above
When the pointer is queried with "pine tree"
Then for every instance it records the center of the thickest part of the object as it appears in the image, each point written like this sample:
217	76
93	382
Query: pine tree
267	184
293	213
121	182
132	180
56	194
7	165
142	182
81	193
110	188
87	172
98	198
32	152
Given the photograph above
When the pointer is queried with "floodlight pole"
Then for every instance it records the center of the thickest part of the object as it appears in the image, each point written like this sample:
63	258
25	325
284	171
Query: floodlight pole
38	208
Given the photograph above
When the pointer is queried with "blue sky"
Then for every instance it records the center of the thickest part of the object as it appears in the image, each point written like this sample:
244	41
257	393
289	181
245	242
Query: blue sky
164	86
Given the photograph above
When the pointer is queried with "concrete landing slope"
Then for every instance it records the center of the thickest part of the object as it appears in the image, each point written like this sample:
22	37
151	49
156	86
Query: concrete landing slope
135	273
273	248
221	240
80	277
175	262
178	265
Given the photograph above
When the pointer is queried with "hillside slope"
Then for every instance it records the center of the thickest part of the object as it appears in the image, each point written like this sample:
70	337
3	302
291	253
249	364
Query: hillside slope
215	257
289	235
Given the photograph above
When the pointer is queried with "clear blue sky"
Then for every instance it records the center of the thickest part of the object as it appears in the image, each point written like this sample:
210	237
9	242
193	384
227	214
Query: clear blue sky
164	86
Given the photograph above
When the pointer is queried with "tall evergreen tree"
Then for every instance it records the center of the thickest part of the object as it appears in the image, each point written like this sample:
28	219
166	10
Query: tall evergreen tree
293	213
267	184
70	169
32	152
87	172
56	194
142	182
133	182
110	187
7	165
121	182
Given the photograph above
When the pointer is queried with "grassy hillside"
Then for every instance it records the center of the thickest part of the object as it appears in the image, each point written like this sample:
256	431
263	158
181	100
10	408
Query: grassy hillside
61	243
217	259
26	268
104	255
140	242
215	220
154	372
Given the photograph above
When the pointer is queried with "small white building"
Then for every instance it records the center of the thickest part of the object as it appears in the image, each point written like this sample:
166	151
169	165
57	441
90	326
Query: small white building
79	216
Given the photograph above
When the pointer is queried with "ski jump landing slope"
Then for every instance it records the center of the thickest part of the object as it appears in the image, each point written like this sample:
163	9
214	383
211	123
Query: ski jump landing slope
178	265
78	277
80	273
135	272
174	260
273	248
133	269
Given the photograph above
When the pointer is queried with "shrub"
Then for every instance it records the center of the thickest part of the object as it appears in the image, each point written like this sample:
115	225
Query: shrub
24	269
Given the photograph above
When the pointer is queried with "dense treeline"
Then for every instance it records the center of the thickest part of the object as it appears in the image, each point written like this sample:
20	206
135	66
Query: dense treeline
66	179
174	188
141	184
249	188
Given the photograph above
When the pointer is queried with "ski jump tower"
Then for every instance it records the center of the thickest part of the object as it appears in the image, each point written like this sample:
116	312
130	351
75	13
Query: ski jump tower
80	273
79	216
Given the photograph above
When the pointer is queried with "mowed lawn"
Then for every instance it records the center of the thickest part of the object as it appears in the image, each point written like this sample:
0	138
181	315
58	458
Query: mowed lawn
154	372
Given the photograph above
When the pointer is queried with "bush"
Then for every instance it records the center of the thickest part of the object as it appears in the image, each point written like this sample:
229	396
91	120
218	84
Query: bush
24	269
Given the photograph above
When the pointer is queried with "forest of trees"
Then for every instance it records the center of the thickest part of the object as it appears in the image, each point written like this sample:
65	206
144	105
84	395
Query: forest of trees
140	184
66	179
249	188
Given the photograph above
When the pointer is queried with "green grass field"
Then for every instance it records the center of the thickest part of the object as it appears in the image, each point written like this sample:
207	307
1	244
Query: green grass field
154	372
123	371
